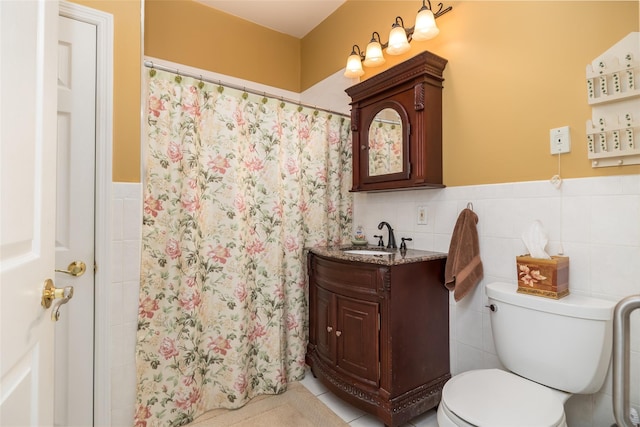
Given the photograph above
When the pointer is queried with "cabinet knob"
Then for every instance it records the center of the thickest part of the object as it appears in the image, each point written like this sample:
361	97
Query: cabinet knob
338	333
329	329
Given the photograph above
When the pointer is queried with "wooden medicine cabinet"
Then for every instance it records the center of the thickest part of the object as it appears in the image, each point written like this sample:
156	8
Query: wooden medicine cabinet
396	120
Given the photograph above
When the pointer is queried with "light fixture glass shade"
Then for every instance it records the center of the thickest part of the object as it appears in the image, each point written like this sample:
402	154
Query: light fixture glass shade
426	27
374	56
398	43
354	66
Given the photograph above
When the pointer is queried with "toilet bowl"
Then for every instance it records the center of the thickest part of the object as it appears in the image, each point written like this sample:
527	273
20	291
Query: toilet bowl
496	398
552	349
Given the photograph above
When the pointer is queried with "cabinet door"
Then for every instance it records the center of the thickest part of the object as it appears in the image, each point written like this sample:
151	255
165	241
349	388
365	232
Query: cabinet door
325	325
357	338
385	142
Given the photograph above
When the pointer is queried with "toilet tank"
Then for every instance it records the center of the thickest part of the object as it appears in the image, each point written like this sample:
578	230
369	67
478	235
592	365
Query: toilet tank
564	344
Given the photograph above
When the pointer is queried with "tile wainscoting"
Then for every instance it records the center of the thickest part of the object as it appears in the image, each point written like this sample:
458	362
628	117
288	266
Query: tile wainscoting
125	273
595	220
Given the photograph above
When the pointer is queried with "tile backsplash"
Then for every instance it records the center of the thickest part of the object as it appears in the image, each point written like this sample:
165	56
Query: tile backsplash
594	221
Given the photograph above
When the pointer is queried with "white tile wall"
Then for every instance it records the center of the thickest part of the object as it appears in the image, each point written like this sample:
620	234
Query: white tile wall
125	256
595	220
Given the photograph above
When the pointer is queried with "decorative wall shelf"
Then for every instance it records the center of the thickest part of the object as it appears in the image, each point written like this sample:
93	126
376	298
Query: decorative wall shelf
613	91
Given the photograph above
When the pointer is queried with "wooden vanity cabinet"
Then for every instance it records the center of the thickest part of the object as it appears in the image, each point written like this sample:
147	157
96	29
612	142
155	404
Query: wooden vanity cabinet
379	334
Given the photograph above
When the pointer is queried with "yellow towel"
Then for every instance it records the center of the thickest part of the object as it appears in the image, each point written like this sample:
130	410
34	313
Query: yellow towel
463	269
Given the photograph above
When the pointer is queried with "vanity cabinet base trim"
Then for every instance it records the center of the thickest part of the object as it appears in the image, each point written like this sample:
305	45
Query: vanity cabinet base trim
392	412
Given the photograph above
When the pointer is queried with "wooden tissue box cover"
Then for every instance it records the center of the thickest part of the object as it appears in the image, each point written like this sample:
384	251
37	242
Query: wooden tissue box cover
543	277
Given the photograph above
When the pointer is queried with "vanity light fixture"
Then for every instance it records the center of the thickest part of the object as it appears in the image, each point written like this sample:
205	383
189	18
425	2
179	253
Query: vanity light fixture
425	28
374	56
398	42
354	63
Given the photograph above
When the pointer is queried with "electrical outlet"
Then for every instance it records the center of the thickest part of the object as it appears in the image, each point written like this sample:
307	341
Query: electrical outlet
422	215
560	140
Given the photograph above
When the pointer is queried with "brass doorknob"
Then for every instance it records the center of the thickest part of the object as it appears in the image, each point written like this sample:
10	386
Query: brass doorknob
50	293
76	268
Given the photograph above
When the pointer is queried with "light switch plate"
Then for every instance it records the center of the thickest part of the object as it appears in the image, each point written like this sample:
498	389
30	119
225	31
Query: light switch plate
560	140
421	215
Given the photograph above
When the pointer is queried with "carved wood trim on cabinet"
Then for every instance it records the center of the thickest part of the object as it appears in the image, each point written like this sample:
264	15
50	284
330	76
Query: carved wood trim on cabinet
418	97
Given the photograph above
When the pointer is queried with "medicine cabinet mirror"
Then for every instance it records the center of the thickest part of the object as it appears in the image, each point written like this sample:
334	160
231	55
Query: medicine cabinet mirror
387	143
396	122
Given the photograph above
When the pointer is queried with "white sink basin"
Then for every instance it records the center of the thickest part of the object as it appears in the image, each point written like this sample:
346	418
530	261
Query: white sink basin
366	252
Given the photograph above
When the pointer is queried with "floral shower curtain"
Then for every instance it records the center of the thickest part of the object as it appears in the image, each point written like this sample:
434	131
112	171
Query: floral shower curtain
236	186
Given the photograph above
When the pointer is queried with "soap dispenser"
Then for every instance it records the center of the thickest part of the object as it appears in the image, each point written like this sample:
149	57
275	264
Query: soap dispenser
359	238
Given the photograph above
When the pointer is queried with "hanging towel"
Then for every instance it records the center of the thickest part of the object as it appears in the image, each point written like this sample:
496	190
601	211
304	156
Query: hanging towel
463	269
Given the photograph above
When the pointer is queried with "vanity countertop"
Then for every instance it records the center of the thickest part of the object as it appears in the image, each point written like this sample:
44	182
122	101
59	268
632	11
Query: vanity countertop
396	258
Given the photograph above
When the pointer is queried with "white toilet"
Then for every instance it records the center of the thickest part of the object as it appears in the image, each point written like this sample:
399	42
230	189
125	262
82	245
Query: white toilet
552	348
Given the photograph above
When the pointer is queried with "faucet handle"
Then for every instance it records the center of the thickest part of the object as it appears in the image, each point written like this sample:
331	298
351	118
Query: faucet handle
380	241
403	245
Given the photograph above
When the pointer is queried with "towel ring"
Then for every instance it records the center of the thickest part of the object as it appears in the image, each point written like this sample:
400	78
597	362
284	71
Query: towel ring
470	206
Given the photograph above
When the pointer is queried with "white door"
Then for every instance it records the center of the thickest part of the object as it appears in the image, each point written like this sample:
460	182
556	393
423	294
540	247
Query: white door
28	37
74	343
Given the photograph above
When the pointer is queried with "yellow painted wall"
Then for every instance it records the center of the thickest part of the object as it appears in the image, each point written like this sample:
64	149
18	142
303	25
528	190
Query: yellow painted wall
516	69
126	85
187	32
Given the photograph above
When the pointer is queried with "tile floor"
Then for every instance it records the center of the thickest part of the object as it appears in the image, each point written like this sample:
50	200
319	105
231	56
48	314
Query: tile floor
354	416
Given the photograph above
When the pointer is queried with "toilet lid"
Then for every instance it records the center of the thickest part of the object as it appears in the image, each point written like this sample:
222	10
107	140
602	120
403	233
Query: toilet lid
495	398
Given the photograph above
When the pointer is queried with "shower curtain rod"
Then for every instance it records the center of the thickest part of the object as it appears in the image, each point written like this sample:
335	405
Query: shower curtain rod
150	64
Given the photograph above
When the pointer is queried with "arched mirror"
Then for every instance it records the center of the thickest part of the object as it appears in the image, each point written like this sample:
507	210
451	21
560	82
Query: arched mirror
386	150
384	154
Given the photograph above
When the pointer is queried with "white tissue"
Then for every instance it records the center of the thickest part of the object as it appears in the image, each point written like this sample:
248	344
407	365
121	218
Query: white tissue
535	239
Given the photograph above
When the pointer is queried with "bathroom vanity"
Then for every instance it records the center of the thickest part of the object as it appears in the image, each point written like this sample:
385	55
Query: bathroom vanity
379	329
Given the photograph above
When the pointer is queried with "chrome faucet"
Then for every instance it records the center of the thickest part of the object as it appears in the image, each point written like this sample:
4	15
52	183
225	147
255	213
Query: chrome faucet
392	239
